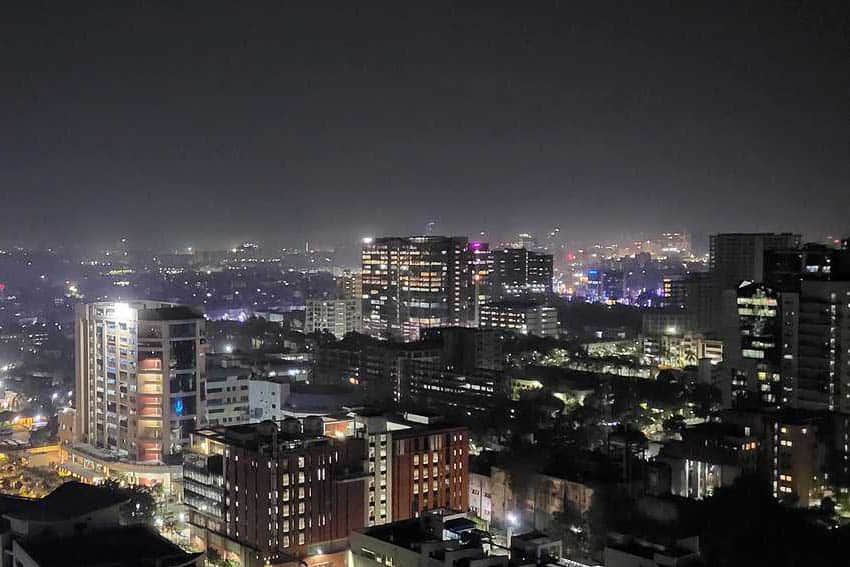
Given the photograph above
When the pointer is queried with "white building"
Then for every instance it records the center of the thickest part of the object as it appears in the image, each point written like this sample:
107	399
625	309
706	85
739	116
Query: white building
337	316
227	390
139	370
480	502
267	397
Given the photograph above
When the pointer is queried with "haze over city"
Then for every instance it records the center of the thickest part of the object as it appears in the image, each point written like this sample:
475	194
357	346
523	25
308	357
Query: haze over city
287	123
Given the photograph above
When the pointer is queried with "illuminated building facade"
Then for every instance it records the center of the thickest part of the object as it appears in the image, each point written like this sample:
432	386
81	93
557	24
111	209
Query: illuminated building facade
275	492
336	316
680	351
823	347
433	385
140	379
413	283
480	261
430	467
520	317
519	272
349	285
739	257
760	325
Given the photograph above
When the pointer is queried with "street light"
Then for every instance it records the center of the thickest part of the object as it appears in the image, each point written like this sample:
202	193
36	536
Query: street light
513	521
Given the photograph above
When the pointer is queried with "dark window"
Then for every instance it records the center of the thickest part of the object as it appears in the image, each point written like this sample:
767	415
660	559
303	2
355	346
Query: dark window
182	330
182	382
182	355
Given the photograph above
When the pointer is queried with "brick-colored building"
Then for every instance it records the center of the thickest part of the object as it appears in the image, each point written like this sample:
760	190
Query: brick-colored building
270	493
430	470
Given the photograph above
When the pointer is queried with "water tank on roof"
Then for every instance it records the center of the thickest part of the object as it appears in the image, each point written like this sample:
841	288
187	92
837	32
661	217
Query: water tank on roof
314	425
291	426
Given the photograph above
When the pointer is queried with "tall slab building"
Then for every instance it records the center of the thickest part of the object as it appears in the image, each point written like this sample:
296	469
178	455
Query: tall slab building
139	377
412	283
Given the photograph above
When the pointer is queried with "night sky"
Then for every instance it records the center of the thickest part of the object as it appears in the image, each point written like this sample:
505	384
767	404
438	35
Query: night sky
206	123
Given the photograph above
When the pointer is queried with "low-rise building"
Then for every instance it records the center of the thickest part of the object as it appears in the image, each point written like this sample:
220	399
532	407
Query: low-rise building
526	318
92	465
627	551
480	499
710	456
429	540
535	497
679	351
80	525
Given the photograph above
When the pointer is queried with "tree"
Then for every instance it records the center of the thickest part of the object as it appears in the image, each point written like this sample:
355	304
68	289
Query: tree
674	424
141	507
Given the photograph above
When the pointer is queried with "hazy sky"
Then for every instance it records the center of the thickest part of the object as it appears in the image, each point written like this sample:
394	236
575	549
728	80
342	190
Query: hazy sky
210	122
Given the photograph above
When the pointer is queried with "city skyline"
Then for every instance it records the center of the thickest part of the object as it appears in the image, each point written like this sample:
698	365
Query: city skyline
454	284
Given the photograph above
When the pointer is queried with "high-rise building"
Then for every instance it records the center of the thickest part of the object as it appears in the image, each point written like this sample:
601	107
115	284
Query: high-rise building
736	258
519	272
349	285
336	316
140	377
272	493
414	283
757	351
823	348
797	336
480	261
430	467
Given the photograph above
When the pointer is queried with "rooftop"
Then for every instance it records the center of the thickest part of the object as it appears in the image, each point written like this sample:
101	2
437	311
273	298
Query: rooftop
70	500
173	313
128	546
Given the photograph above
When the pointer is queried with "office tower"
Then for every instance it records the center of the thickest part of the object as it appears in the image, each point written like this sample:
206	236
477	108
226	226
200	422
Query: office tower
739	257
799	335
519	272
336	316
380	370
269	493
671	243
613	285
480	261
757	354
521	317
414	283
349	285
593	285
140	380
